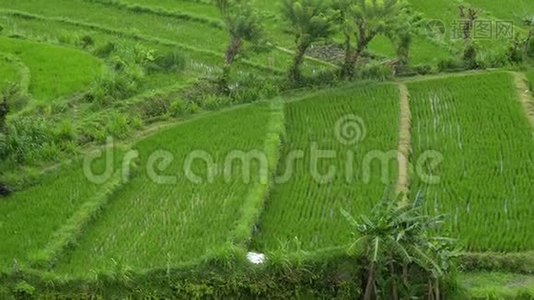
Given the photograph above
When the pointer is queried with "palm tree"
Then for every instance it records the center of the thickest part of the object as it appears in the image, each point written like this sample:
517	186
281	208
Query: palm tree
529	21
366	19
395	239
242	24
400	31
310	22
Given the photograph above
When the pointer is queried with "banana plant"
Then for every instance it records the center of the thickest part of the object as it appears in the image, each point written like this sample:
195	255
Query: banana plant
397	239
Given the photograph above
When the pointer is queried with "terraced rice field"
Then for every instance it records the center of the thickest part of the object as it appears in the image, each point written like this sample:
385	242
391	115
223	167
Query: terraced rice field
9	72
303	210
480	128
54	71
83	65
176	221
31	217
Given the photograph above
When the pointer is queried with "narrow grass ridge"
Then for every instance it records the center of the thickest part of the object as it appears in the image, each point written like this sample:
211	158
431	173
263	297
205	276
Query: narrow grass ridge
255	200
72	230
525	96
23	72
514	262
497	285
405	140
161	12
134	36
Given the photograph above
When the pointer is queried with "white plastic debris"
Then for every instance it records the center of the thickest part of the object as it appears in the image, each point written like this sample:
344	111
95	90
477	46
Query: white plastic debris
256	258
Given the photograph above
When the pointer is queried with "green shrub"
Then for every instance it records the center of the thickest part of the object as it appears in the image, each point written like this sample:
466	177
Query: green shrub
24	290
376	71
198	90
118	126
49	151
65	131
516	50
26	139
521	263
211	102
530	48
322	78
306	276
86	41
424	69
470	57
178	108
116	86
155	106
105	50
69	38
492	58
192	108
170	62
450	64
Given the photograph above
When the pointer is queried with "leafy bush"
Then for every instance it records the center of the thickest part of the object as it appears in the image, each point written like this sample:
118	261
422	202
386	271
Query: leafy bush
450	64
170	62
470	56
424	69
521	263
116	86
198	91
178	108
211	102
156	106
86	41
65	131
192	108
105	50
492	58
376	71
28	140
530	48
24	290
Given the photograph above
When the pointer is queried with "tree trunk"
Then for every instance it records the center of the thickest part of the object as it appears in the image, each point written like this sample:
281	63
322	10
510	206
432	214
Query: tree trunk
437	289
403	50
294	73
348	68
405	274
234	48
364	38
430	290
369	289
394	288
